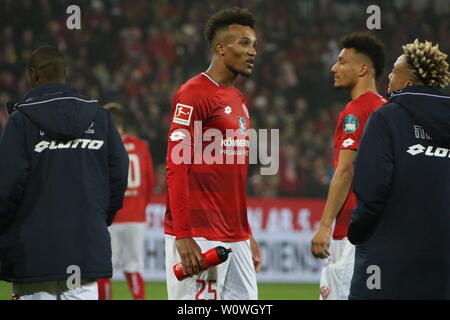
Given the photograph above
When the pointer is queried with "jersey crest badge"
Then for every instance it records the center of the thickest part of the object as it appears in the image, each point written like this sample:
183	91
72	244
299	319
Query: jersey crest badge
183	114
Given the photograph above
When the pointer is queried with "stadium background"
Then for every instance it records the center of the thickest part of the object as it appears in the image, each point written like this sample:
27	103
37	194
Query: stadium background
138	52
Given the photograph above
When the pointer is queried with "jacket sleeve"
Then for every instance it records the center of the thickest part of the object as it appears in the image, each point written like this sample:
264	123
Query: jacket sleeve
14	168
118	163
372	180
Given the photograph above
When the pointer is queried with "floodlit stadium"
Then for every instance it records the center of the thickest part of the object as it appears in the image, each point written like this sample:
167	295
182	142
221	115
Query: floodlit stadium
138	53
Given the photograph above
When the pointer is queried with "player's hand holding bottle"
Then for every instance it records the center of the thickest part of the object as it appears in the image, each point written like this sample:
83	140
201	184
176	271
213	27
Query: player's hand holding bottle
191	256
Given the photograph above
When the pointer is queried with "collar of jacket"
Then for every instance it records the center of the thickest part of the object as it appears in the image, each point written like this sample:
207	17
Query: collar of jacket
51	88
417	89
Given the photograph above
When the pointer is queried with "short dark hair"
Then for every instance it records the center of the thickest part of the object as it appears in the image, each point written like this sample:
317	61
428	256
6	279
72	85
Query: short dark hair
226	17
370	46
49	61
116	112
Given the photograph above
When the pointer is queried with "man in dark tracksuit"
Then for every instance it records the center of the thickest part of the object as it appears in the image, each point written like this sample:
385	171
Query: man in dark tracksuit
401	225
63	174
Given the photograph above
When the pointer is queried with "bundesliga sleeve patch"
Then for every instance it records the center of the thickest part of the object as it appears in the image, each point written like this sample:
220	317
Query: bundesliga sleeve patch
183	114
351	123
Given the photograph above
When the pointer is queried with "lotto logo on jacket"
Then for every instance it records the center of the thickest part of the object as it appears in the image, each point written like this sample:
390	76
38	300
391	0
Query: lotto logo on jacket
430	151
77	143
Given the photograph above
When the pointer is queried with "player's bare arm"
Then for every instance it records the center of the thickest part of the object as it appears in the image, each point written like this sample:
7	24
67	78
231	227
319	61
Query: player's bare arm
256	253
337	193
191	256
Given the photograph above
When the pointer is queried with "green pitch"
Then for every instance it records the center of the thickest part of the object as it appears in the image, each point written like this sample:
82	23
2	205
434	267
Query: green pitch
157	291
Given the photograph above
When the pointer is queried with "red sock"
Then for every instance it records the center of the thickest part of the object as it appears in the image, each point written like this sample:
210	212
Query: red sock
136	285
104	289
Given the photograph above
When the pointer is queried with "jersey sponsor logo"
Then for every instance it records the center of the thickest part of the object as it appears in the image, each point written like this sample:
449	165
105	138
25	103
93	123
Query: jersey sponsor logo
177	136
212	145
73	144
348	142
351	123
429	151
244	107
242	125
183	114
229	142
228	110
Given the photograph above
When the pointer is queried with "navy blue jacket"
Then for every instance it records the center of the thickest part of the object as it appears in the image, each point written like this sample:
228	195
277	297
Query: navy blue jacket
63	174
402	182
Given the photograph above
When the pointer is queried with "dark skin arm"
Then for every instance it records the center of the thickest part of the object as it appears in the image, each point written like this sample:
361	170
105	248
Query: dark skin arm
191	256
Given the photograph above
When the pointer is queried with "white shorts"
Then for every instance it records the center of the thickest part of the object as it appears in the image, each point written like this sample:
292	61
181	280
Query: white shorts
127	245
234	279
55	290
337	271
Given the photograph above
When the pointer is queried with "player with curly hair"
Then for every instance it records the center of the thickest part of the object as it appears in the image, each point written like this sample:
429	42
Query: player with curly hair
402	220
420	64
206	203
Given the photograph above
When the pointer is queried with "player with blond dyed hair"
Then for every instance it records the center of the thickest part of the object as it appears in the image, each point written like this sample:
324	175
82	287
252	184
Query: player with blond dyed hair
402	220
420	64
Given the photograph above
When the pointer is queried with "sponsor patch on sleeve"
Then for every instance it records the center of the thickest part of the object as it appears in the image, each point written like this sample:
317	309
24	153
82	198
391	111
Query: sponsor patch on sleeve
183	114
177	136
348	142
351	123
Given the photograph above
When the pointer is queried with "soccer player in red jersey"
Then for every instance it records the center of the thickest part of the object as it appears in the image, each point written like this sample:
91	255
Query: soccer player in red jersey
359	63
206	198
128	228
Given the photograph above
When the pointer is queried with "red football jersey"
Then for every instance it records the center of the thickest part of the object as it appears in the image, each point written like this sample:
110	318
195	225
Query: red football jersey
348	133
140	181
206	198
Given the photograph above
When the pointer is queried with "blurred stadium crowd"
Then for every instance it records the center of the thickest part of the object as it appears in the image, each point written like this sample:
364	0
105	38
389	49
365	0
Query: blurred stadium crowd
139	52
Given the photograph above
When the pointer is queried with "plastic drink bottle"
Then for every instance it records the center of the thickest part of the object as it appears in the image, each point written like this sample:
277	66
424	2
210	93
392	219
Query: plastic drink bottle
212	257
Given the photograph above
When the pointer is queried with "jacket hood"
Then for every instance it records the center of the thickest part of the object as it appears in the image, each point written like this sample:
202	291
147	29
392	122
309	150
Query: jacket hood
429	108
58	110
